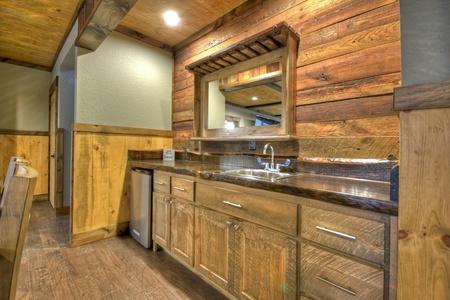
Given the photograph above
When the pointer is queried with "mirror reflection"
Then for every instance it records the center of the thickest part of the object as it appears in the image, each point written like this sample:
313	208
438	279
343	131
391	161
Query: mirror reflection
249	98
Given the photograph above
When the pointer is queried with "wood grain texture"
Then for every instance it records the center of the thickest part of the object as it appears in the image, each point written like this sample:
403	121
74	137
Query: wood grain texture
369	242
269	212
33	148
182	230
350	147
266	262
424	206
213	247
103	18
365	281
423	96
183	188
347	51
115	268
100	182
14	220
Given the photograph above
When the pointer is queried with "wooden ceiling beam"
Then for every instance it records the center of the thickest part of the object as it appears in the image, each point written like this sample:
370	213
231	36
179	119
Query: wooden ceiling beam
98	18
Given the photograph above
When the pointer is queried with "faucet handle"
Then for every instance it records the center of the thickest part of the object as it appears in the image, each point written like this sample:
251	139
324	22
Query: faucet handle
266	165
287	163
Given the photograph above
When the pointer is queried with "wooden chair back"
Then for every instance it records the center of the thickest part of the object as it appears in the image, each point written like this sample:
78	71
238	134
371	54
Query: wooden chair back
17	201
13	163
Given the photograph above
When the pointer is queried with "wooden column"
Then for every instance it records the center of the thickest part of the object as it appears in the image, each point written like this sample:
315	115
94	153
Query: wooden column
424	191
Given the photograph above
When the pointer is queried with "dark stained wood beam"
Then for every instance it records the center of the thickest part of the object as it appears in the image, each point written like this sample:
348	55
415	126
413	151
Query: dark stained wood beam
98	18
24	64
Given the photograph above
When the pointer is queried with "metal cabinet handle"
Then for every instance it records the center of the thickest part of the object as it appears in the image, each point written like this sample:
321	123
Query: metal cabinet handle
179	189
158	182
344	235
229	223
232	204
336	286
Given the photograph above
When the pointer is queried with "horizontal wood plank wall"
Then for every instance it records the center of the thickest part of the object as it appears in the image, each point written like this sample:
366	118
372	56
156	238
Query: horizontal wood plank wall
348	65
33	146
100	177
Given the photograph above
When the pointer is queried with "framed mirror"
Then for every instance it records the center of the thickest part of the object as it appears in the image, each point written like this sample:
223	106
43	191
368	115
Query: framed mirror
247	91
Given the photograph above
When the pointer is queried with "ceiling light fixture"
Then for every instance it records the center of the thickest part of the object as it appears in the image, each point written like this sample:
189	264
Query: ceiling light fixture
254	98
171	18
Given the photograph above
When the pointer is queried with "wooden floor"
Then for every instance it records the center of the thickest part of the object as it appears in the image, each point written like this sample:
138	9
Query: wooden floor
114	268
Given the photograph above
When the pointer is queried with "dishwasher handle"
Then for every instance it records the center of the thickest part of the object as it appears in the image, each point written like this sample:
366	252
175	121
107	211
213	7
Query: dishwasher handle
141	170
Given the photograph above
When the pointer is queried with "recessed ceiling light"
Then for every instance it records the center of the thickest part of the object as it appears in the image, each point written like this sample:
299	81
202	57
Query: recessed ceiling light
171	18
254	98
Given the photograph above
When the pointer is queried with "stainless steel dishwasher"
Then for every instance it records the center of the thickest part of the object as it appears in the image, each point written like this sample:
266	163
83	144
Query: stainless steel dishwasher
141	206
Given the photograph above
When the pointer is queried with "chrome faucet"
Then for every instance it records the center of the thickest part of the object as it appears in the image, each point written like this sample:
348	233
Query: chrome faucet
273	153
271	167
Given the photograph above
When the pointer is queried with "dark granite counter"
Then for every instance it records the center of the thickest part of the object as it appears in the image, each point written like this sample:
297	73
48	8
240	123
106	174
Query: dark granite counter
371	195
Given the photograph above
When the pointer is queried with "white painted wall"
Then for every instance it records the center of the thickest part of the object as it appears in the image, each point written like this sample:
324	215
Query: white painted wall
24	98
125	82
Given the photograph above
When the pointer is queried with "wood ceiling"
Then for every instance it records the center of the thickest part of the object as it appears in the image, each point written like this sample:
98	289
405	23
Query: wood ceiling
33	31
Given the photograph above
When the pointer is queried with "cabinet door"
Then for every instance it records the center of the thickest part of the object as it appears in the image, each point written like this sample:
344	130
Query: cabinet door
161	220
213	239
182	230
267	262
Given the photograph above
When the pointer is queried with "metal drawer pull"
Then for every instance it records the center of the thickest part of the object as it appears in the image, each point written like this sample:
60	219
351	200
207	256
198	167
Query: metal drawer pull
351	237
336	286
232	204
178	188
158	182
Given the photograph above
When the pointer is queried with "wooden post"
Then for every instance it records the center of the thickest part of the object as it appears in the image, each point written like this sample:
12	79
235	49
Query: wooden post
424	192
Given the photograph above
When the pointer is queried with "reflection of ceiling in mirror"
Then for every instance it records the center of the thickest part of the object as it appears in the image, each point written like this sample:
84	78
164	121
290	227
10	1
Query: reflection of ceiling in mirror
268	98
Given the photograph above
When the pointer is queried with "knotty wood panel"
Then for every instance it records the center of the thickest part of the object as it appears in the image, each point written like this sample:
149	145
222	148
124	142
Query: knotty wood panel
32	146
424	206
348	60
100	180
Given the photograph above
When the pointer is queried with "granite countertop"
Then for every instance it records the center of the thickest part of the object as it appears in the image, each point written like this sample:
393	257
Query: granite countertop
371	195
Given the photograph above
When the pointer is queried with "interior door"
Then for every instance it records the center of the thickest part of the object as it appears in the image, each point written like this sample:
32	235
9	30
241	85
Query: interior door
55	150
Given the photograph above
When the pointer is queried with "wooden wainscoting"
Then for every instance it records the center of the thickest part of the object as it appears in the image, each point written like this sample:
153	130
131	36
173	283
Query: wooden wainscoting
30	145
100	177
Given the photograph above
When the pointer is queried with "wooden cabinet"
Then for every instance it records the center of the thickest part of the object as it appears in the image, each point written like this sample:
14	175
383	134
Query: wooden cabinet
254	261
254	244
267	263
326	275
214	247
173	217
344	253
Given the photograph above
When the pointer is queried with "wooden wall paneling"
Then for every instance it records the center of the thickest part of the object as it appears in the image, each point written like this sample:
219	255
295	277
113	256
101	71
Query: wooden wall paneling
423	222
368	127
347	109
366	39
349	147
32	146
380	60
347	51
364	87
100	187
82	185
101	159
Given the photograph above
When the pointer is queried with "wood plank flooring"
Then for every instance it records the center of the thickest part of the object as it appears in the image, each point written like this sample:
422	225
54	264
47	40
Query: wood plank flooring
114	268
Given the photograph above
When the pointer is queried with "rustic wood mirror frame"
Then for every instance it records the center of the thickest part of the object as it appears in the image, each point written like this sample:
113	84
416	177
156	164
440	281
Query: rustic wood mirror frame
276	44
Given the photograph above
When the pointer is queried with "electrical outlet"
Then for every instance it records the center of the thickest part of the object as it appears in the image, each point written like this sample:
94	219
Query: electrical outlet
252	145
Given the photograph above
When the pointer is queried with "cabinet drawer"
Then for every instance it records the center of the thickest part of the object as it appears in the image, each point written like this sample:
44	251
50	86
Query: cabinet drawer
275	214
183	188
325	275
350	234
161	183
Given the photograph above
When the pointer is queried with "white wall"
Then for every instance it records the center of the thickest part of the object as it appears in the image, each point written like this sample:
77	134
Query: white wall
125	82
24	98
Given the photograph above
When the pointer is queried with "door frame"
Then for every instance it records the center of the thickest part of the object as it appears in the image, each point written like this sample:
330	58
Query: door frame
55	150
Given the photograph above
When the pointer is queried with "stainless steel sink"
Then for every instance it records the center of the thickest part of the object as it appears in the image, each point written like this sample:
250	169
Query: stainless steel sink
259	174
